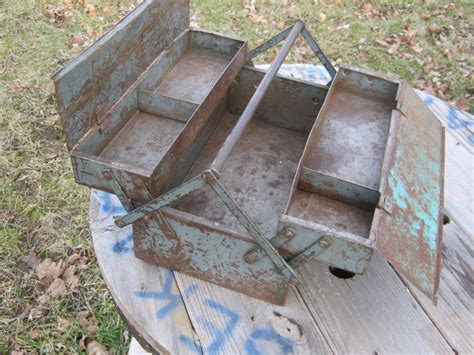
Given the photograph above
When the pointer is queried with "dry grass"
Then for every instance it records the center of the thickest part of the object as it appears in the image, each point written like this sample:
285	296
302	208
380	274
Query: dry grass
43	210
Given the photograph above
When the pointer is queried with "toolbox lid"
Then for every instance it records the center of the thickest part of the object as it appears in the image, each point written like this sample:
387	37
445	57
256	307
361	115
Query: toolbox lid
88	86
411	217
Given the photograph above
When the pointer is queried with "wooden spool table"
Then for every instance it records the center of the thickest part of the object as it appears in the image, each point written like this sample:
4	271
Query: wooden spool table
378	312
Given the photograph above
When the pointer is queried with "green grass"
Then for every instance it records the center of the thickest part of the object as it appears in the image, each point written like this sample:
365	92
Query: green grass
44	210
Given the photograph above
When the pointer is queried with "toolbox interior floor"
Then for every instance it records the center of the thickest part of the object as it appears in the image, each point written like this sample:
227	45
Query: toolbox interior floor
258	174
194	75
143	141
351	138
331	213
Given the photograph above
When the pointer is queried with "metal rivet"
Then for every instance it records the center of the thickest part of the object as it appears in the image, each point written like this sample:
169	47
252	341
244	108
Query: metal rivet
324	242
251	258
138	183
107	175
316	100
289	233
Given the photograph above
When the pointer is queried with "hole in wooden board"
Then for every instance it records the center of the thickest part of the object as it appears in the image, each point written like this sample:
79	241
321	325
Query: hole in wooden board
446	219
340	273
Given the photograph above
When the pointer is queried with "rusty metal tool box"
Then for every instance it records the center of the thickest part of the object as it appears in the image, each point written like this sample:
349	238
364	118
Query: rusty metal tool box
238	176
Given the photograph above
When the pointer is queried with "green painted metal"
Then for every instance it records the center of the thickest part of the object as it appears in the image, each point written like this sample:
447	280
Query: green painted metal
150	106
161	201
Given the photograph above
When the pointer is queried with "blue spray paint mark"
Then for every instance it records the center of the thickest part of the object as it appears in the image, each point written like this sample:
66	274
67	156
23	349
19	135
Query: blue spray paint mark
219	336
174	299
270	335
120	246
191	344
455	122
428	101
109	204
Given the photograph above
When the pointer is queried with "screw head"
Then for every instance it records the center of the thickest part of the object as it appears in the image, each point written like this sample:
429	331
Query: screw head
289	233
324	242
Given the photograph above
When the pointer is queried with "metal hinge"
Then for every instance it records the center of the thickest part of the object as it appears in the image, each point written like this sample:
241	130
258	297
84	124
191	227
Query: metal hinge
386	204
98	116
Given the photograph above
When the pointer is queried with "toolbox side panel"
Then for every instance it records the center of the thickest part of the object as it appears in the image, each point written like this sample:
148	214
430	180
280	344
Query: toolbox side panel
212	253
88	86
288	103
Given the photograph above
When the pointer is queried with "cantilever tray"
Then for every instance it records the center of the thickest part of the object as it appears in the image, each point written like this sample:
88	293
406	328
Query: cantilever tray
238	176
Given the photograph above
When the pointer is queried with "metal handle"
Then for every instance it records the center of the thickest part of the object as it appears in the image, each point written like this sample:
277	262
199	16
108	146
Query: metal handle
257	97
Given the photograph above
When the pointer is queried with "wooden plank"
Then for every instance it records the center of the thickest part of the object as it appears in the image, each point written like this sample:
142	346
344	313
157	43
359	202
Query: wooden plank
146	296
228	322
454	313
372	313
458	185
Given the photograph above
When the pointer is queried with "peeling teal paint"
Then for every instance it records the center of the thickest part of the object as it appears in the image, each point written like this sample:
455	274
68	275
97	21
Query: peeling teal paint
429	219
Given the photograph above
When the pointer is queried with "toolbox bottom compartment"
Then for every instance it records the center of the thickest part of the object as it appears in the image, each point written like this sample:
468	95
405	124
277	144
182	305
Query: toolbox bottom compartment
258	174
142	142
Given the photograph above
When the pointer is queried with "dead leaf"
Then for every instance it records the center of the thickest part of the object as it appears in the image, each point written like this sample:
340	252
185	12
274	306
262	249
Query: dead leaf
393	49
460	104
57	288
69	278
33	334
257	19
36	313
416	48
381	42
50	269
69	4
63	323
90	10
433	28
107	11
366	7
280	25
78	39
43	299
96	348
30	259
55	14
71	259
17	87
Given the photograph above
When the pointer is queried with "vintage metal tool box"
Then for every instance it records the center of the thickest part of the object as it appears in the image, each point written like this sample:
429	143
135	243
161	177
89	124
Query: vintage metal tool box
238	176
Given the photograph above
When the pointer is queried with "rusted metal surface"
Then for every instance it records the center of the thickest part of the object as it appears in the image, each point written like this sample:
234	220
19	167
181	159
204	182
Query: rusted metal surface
258	174
88	86
157	123
254	102
411	219
289	103
201	249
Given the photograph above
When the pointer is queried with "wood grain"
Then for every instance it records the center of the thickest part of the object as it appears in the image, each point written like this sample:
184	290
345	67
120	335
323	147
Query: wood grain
373	313
228	322
459	184
454	313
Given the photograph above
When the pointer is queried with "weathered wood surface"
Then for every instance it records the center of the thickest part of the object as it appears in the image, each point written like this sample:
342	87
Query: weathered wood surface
459	187
454	313
373	313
